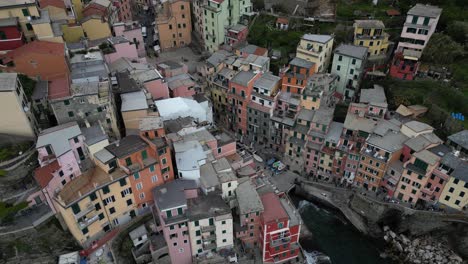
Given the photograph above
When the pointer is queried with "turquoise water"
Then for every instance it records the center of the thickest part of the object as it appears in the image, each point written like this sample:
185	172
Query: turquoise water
338	239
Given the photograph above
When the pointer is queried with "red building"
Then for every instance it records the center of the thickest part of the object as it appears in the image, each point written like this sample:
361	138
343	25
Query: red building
295	75
279	230
124	10
11	36
236	34
405	65
240	89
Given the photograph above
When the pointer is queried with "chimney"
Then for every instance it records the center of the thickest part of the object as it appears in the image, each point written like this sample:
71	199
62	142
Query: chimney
79	193
87	123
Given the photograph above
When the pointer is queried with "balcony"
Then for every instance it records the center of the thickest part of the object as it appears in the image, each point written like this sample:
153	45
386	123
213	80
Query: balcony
87	222
362	36
89	207
207	228
428	191
175	219
374	154
280	241
209	237
209	246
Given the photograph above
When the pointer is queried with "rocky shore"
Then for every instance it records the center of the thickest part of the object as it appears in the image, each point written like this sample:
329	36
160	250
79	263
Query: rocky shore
418	250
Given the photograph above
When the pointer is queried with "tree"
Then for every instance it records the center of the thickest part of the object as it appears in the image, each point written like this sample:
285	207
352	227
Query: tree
458	31
442	49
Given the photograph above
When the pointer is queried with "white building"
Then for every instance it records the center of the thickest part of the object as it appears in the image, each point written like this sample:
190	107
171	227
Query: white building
189	155
174	108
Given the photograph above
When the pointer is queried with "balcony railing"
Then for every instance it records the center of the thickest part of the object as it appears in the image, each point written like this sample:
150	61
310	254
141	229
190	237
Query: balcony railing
209	237
209	246
89	207
86	222
280	241
207	228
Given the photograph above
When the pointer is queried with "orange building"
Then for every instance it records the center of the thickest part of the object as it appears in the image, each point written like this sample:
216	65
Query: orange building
174	24
145	158
37	59
295	75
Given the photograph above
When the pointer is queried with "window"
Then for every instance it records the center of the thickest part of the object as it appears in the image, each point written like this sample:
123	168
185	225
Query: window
224	222
164	161
25	12
76	208
71	114
426	21
447	198
106	189
340	58
182	7
93	196
224	240
142	196
128	161
66	102
129	202
224	231
29	26
198	242
462	194
139	186
85	231
99	109
415	20
97	206
197	223
122	182
170	26
353	62
112	210
2	35
180	211
154	178
198	233
456	181
280	225
338	67
101	216
126	192
109	200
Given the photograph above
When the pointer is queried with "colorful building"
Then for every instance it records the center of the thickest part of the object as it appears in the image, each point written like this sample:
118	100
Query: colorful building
132	31
17	117
349	63
174	24
317	49
10	34
240	91
455	190
236	34
95	203
95	27
221	14
25	11
145	159
172	212
61	155
279	230
247	227
295	75
370	34
43	59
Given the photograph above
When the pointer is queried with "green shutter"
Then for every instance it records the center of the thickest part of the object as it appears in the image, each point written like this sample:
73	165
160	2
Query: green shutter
76	208
179	211
128	161
169	213
106	189
144	154
93	196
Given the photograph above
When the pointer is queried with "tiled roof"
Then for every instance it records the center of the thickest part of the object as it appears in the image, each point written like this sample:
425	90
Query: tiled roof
273	209
43	175
56	3
59	88
42	47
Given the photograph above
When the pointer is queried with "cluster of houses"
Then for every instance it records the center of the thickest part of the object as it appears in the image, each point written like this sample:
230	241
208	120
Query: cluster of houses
129	137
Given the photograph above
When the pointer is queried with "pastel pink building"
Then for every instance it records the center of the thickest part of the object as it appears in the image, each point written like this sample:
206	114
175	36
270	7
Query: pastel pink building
121	48
132	31
182	86
235	34
171	205
124	10
61	151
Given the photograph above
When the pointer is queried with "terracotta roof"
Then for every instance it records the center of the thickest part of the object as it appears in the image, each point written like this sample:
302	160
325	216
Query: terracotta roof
273	209
59	88
393	12
43	175
56	3
260	51
51	48
282	20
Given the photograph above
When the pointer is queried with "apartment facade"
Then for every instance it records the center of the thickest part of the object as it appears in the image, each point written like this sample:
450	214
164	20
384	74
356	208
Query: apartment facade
317	49
219	14
370	34
348	63
25	11
95	203
174	24
295	75
17	117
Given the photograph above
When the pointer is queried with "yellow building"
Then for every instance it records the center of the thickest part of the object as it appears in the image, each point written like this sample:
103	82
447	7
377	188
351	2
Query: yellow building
78	8
370	34
455	192
58	11
72	33
24	10
44	30
317	49
95	28
95	203
18	119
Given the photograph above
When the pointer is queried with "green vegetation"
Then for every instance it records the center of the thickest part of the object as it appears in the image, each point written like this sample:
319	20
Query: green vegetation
442	49
28	85
7	211
356	9
11	151
3	173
